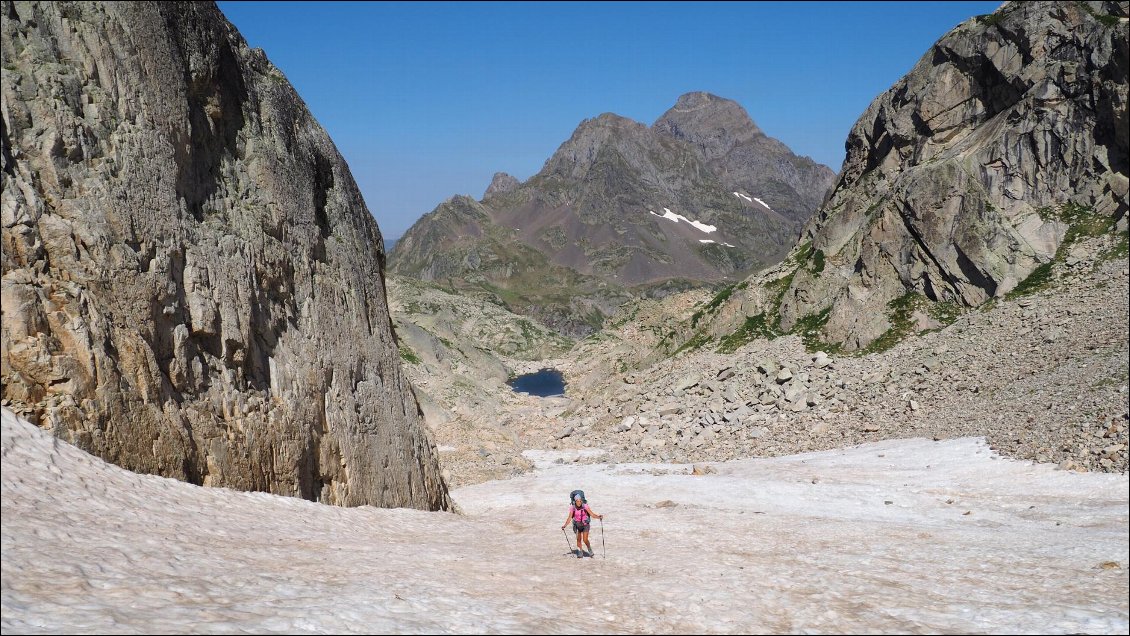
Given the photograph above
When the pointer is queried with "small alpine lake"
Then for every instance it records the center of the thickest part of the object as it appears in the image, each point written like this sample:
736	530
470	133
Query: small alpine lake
543	383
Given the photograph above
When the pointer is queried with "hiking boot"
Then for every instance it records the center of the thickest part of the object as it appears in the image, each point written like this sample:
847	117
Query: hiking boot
580	554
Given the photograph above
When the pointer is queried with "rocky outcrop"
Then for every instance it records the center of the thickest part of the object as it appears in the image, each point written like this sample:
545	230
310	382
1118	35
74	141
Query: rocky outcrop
1003	144
191	281
500	184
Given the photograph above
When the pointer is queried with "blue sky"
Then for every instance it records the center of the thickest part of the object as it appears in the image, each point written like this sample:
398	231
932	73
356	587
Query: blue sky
427	100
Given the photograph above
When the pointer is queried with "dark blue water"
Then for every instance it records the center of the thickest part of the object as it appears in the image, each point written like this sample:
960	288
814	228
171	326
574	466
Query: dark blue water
544	383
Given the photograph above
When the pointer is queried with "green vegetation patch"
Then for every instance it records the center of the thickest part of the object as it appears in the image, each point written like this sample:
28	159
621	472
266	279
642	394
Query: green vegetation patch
529	332
1105	19
808	328
627	317
699	340
754	327
804	250
1038	280
1082	222
759	326
901	310
777	290
901	315
1120	250
990	19
807	257
594	318
817	263
767	325
722	296
408	355
944	312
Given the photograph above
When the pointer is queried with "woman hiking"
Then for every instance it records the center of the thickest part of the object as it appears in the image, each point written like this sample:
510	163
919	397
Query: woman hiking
581	514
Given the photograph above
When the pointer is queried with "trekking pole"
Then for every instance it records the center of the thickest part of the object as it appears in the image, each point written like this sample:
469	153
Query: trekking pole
567	540
603	547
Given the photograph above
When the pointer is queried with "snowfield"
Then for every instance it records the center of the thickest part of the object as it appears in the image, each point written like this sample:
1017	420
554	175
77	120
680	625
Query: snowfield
698	225
908	536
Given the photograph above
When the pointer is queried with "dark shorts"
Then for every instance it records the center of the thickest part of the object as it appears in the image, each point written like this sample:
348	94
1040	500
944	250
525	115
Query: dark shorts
580	527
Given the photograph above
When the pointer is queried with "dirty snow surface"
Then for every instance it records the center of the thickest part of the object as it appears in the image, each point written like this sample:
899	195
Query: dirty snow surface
909	536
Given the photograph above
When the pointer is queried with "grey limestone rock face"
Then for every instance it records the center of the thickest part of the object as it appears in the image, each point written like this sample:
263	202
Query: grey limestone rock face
192	285
951	174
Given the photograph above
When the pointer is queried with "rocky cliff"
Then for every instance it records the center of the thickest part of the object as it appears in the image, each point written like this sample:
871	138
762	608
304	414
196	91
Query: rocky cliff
1004	145
192	285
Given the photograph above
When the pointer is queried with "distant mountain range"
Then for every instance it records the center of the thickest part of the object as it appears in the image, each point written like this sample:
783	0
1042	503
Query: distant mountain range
623	209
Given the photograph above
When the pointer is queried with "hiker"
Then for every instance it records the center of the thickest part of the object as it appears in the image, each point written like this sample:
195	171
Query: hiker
581	514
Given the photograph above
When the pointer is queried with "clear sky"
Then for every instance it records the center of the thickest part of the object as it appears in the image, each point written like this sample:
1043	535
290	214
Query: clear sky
427	100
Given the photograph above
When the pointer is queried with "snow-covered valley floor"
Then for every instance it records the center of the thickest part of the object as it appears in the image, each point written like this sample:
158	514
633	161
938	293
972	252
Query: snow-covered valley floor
907	536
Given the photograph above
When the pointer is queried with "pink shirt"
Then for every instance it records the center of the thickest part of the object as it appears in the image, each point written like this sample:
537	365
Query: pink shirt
580	514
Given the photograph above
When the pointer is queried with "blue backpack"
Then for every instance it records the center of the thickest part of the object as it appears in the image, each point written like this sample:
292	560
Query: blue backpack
572	502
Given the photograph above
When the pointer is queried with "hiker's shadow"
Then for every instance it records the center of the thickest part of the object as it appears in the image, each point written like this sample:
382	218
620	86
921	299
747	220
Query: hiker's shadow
573	553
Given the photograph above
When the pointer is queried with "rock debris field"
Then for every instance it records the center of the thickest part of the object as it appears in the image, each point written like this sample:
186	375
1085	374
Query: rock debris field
1042	377
908	536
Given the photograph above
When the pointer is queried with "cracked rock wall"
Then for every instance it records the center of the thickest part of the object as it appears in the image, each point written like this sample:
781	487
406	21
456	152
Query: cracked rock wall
192	284
950	175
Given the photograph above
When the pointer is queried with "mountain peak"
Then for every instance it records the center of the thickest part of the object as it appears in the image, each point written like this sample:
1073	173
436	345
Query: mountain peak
700	113
608	120
742	156
577	154
699	99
